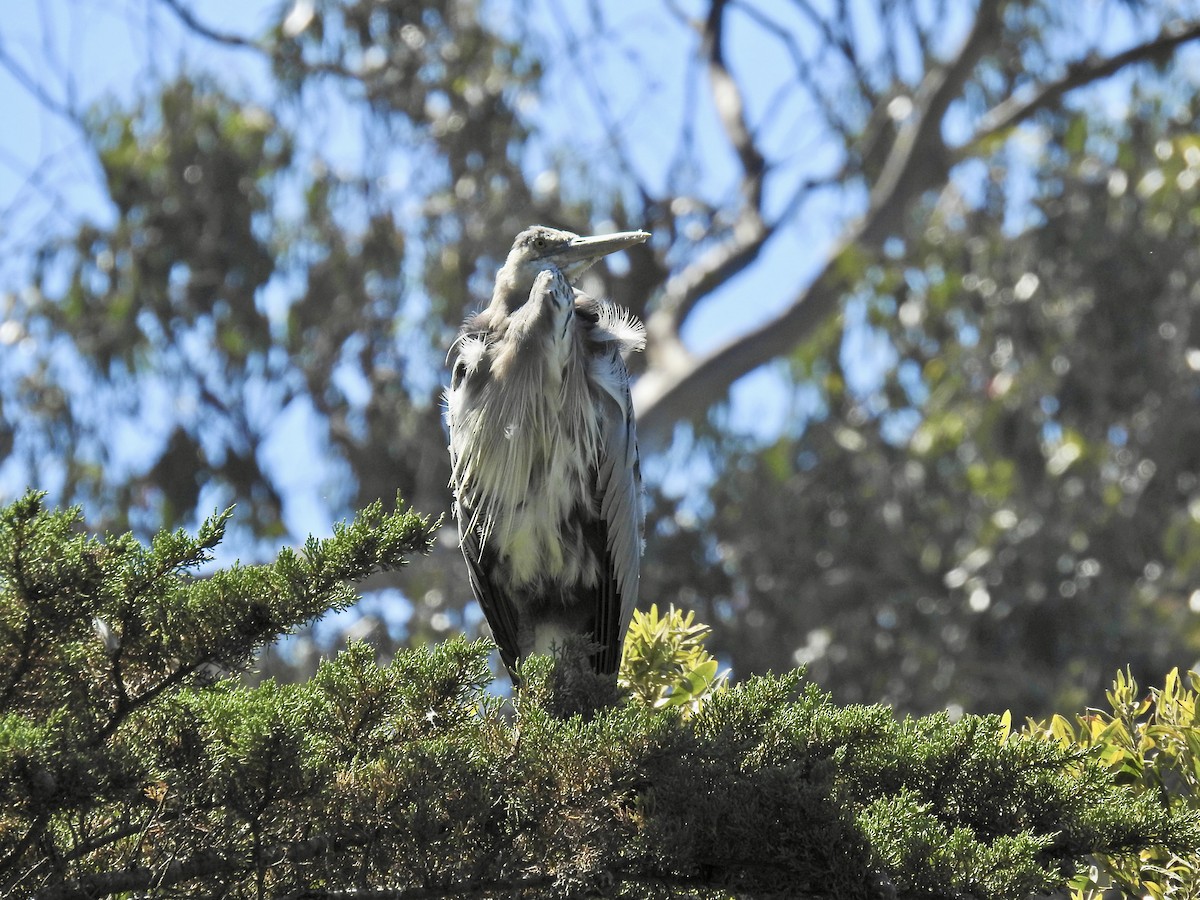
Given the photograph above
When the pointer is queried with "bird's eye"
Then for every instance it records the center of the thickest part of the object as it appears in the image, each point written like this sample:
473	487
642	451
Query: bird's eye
540	243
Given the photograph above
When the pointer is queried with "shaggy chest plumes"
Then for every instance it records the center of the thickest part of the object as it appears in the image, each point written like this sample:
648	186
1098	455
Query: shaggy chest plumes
543	454
530	482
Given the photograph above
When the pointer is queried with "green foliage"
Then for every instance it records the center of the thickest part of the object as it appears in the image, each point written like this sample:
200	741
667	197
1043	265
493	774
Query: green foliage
99	637
126	768
991	446
1150	744
1009	512
235	232
665	663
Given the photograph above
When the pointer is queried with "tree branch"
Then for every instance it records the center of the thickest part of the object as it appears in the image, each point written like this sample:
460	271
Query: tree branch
684	290
749	232
584	70
508	887
727	97
189	20
137	879
1014	111
917	159
38	90
917	162
665	395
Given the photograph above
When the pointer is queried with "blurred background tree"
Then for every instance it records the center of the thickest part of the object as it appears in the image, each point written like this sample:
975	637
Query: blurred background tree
919	405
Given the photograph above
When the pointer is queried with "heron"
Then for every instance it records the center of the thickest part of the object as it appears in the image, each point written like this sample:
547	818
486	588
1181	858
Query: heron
543	452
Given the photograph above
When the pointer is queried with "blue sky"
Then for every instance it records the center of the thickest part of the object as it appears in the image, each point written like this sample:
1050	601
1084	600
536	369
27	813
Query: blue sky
83	51
86	50
75	52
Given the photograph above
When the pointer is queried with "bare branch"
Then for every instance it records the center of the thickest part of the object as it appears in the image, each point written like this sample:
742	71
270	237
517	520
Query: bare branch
749	235
727	97
43	181
839	40
749	231
134	879
576	50
1014	111
833	108
665	395
188	18
683	160
918	161
38	90
514	887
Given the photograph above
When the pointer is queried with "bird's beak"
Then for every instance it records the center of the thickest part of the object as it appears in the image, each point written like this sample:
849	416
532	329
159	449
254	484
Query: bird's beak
578	256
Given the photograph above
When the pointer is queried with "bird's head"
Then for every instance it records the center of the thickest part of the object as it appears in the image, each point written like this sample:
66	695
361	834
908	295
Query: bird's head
540	247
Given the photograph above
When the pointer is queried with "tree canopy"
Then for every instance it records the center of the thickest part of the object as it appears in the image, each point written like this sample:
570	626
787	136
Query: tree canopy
129	765
954	246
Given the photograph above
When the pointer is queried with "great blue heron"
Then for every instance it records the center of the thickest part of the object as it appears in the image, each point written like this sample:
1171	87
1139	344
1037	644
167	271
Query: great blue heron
544	457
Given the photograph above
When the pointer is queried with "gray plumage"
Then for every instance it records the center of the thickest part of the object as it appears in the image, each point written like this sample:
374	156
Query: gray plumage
543	452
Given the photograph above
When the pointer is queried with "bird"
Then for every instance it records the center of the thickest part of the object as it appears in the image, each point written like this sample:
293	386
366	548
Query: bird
543	450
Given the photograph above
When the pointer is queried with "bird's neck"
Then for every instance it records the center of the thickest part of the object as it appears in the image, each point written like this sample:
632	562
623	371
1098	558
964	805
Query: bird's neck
535	334
511	290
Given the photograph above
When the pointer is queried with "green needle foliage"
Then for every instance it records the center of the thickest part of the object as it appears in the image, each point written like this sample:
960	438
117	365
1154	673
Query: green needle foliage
99	638
129	767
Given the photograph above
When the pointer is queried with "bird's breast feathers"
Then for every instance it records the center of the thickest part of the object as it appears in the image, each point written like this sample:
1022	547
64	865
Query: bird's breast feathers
526	446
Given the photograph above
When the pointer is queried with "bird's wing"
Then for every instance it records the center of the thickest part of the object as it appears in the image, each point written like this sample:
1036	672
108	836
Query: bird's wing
618	481
497	609
468	371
